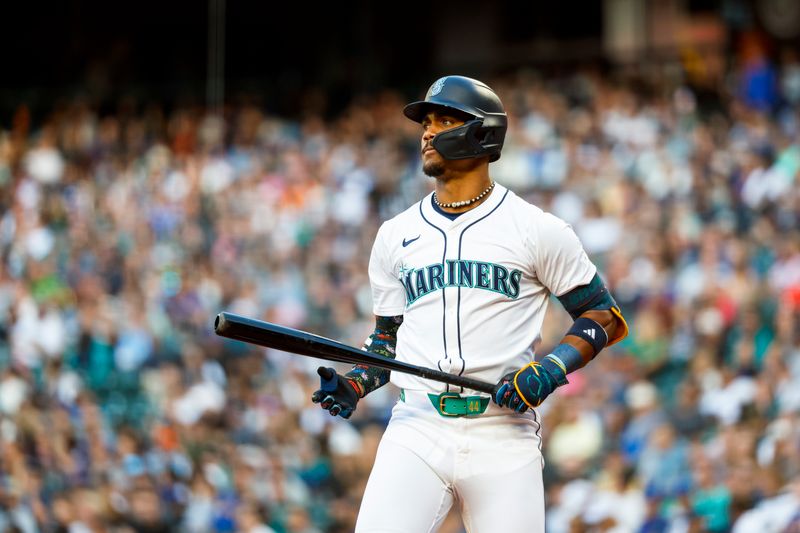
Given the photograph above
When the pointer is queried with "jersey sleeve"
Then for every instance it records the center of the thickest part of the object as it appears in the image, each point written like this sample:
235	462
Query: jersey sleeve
388	295
560	261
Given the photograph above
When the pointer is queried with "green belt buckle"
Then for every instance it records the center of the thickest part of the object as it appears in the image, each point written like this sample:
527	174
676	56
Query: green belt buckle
452	404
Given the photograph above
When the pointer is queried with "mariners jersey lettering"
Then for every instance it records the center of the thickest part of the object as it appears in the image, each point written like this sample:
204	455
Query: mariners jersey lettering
474	290
459	273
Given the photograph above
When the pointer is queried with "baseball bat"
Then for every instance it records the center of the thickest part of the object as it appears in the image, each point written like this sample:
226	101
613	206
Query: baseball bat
271	335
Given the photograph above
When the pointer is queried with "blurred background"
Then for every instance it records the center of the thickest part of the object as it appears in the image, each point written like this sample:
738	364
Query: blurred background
163	161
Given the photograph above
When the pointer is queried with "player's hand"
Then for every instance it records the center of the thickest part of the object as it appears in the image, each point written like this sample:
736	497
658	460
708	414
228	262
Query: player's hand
335	394
528	386
505	395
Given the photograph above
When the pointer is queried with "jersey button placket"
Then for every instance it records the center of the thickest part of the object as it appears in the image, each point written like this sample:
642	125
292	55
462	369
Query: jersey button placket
452	309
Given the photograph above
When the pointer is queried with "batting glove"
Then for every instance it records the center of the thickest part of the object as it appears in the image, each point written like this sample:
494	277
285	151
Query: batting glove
336	393
529	386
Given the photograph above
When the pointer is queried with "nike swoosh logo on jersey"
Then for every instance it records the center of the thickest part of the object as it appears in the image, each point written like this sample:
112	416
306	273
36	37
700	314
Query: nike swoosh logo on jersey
407	242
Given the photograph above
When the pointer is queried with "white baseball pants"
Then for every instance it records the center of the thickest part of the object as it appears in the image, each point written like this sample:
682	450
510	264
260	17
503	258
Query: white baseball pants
490	466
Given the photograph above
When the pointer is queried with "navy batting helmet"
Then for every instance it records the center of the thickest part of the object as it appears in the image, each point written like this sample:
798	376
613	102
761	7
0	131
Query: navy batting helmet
480	135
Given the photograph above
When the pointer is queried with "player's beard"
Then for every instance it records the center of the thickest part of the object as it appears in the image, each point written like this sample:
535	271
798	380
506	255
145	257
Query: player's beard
433	169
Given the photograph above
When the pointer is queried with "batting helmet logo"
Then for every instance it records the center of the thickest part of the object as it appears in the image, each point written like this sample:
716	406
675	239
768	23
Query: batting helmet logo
436	88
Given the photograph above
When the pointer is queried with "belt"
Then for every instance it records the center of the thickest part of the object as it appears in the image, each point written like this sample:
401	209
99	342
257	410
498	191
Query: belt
452	404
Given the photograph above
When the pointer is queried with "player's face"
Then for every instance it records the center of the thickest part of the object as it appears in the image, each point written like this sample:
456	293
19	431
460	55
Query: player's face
433	164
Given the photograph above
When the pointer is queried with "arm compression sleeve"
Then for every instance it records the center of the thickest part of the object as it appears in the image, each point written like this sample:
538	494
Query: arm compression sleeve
382	342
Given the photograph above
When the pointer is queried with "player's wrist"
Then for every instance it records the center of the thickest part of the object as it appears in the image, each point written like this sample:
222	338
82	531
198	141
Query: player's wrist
567	357
356	385
555	368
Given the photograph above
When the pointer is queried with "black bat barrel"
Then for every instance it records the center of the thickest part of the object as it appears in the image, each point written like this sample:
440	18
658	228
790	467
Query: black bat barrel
271	335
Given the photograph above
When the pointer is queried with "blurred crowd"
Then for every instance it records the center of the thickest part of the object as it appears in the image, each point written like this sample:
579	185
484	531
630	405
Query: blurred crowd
123	234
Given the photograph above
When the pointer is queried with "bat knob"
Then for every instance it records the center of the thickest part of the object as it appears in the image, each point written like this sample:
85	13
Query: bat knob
220	324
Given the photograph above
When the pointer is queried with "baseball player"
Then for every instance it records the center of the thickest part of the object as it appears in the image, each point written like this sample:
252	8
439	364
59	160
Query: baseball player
461	282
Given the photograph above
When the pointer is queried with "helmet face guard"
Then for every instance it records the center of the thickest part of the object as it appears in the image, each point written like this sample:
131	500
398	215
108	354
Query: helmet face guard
471	139
484	130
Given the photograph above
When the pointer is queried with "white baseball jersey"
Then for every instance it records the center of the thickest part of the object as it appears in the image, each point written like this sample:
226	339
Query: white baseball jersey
472	291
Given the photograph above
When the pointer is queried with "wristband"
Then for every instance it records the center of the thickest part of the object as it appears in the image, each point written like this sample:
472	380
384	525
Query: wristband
590	331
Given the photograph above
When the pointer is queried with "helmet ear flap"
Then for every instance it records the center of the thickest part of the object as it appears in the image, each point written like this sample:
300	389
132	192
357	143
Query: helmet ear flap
492	142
